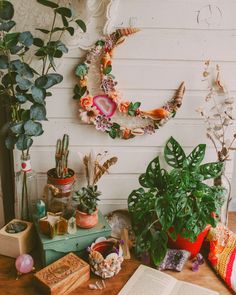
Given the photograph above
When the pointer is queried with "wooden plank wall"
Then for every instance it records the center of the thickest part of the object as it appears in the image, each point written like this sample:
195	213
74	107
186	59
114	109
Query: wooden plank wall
176	37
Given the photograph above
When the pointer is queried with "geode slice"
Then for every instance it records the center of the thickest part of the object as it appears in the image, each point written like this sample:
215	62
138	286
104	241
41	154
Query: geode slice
15	227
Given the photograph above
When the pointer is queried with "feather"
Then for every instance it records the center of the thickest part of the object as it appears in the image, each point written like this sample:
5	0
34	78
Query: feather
126	31
104	168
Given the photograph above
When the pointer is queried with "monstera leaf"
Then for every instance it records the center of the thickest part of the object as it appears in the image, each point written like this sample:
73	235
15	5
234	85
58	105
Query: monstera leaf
195	158
174	154
155	177
211	170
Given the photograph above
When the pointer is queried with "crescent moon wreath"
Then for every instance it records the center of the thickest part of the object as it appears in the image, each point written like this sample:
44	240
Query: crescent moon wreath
107	110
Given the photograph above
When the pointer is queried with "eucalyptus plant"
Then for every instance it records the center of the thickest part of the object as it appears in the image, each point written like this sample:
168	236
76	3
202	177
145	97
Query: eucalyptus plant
23	90
179	199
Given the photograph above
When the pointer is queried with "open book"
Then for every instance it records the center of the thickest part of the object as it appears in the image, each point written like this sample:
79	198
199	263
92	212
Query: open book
149	281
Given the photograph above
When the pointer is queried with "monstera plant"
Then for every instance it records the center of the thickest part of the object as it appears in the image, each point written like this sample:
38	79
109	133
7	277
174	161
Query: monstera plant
174	202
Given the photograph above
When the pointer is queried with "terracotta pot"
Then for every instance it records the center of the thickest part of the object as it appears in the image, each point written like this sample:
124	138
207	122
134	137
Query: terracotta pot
185	244
86	220
65	185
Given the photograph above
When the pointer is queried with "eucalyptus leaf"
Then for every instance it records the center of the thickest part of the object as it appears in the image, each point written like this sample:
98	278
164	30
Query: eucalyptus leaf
71	30
25	115
38	112
10	141
33	128
15	49
41	81
11	39
43	31
81	24
26	38
48	3
17	128
21	97
38	94
22	68
53	79
66	12
38	42
24	84
24	142
6	10
65	21
3	62
7	26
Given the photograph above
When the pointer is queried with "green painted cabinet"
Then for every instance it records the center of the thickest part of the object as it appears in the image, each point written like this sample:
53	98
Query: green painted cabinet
53	249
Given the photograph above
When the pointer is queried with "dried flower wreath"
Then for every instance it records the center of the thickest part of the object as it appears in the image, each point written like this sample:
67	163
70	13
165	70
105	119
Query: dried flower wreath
105	109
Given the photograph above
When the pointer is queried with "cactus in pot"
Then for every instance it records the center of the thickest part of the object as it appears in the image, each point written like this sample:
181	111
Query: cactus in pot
61	176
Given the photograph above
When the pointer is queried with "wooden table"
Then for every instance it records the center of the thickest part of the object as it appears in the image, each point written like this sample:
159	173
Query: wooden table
24	286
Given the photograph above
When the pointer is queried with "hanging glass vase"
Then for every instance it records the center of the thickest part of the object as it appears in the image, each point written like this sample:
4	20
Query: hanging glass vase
26	190
224	181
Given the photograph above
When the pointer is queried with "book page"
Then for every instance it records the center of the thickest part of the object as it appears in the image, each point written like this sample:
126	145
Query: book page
184	288
148	281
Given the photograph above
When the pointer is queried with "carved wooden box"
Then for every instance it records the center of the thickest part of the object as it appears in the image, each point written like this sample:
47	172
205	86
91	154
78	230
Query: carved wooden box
63	276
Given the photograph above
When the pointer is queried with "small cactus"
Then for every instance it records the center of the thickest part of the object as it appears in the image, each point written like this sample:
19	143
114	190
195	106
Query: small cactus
61	157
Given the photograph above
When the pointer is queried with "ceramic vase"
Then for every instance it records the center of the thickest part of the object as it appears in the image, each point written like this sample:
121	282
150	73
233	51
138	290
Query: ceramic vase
85	220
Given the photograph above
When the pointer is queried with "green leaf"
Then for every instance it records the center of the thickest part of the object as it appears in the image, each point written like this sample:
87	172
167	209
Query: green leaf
66	12
38	95
25	116
57	54
79	91
57	29
38	112
24	142
165	210
21	97
116	126
195	158
16	49
10	141
211	170
11	39
48	3
71	30
24	84
112	133
17	128
33	128
26	38
158	246
7	26
174	154
136	105
107	69
3	62
43	30
61	46
100	43
64	21
48	80
22	68
9	79
6	10
38	42
81	24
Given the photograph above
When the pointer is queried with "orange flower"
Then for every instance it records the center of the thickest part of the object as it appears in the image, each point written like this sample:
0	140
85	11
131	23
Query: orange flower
86	102
123	106
126	133
83	82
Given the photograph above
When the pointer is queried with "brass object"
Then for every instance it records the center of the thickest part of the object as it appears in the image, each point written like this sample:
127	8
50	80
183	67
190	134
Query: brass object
53	224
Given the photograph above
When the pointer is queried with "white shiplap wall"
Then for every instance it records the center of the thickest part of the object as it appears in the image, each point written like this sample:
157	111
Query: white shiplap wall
170	48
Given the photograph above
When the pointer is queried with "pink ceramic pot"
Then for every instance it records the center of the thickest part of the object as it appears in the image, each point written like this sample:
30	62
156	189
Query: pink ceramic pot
86	220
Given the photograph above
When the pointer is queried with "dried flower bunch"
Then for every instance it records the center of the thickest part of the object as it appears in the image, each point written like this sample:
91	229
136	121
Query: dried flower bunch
95	167
99	110
218	113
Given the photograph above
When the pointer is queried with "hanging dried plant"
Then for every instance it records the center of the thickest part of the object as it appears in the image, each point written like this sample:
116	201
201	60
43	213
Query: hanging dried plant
218	113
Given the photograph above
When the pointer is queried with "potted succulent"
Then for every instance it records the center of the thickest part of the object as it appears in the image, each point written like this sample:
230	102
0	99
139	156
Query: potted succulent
61	176
87	197
177	205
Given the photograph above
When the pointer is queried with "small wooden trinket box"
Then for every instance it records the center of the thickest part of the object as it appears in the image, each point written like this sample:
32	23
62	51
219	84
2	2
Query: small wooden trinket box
63	276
